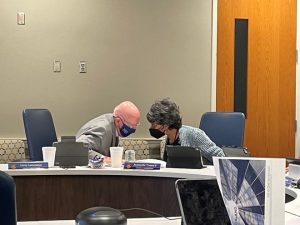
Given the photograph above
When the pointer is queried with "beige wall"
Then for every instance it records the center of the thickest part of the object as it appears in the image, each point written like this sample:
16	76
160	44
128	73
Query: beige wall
137	50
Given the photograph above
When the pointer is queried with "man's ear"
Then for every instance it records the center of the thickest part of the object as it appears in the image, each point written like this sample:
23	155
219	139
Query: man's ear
118	121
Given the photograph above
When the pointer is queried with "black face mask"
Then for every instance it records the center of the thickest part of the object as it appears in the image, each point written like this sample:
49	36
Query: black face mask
156	133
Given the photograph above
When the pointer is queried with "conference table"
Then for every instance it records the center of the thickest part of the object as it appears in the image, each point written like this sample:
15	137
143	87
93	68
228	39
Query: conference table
56	195
60	194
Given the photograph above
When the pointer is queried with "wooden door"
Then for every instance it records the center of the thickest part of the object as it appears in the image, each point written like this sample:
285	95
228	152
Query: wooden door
271	71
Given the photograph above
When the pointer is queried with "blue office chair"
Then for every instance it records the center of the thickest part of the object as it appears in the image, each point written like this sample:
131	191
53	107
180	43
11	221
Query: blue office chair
39	130
8	211
224	128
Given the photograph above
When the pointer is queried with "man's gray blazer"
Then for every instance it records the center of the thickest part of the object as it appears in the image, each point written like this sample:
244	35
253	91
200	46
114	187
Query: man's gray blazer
99	133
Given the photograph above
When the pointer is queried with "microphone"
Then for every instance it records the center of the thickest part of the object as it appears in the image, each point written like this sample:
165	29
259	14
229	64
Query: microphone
101	216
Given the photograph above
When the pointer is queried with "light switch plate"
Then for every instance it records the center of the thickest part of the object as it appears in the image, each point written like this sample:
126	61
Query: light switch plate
56	66
21	18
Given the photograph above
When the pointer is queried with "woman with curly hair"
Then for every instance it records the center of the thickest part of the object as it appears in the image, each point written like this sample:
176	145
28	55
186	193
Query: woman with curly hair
165	119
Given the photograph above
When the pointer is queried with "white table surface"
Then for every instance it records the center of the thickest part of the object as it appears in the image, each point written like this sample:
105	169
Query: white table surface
293	207
289	220
208	172
148	221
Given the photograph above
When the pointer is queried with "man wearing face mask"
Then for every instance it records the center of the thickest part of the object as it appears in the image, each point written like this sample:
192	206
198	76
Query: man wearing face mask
104	131
165	119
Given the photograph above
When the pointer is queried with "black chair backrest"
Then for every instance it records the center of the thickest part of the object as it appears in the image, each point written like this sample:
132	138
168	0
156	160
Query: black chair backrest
39	130
8	211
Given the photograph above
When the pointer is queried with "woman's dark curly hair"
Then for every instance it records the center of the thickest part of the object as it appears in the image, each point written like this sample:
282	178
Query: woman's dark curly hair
165	112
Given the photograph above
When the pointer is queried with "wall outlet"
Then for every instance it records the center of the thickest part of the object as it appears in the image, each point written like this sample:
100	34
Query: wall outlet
82	67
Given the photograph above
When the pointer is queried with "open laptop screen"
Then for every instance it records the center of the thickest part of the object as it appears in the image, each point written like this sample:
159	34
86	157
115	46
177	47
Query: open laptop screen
201	202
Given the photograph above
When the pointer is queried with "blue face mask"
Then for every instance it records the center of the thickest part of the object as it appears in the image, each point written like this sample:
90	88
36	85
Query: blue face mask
126	130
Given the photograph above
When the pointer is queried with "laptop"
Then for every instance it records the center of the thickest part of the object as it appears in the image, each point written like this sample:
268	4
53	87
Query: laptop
183	157
201	202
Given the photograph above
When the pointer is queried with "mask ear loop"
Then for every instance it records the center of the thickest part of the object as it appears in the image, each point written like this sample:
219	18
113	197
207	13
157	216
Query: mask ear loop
116	124
117	117
165	128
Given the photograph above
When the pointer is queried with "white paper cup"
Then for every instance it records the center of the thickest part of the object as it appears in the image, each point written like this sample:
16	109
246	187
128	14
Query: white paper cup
49	155
116	154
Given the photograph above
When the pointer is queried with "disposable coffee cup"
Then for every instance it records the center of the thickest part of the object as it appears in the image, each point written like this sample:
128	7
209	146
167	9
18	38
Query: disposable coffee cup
116	154
49	155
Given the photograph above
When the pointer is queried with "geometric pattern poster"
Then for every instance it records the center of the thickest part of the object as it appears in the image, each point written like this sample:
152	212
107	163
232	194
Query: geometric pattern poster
243	190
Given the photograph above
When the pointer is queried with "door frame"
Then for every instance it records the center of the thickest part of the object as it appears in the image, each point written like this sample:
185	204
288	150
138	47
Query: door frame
297	134
213	104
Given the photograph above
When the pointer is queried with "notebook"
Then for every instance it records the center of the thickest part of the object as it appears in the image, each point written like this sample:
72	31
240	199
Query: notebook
183	157
201	202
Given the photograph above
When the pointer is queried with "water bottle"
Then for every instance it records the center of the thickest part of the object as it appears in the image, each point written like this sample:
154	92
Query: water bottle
130	156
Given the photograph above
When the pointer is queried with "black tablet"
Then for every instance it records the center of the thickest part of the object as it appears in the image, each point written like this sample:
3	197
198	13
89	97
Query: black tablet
183	157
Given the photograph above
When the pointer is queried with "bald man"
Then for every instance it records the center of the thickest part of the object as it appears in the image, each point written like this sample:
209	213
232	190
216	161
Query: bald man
102	132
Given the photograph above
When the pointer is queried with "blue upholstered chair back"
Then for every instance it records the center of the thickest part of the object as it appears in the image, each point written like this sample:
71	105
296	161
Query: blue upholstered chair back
8	211
224	128
39	130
